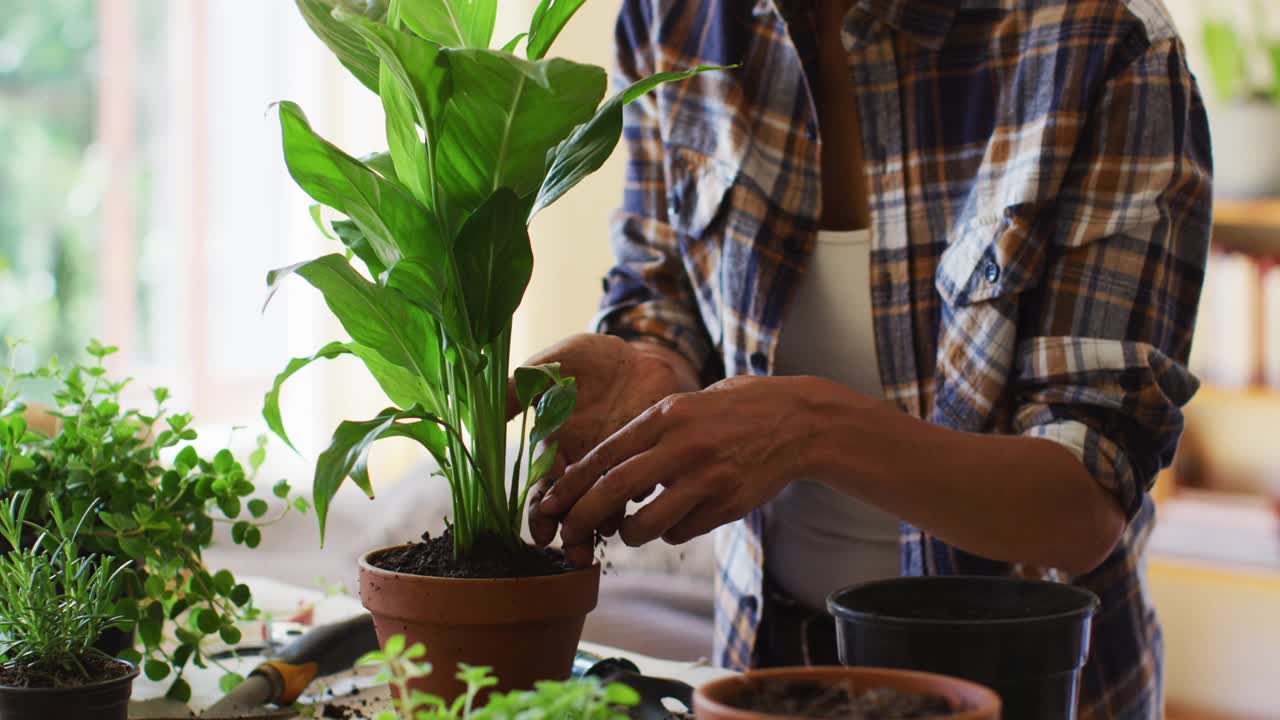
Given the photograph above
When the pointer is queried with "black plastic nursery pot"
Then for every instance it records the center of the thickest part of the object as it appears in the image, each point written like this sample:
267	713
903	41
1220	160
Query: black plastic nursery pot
1025	639
106	700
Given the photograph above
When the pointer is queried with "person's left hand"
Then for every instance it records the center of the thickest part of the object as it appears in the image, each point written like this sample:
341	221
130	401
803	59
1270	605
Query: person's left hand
718	454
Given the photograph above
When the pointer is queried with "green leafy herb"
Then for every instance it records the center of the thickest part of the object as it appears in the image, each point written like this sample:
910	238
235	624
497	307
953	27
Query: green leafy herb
147	518
437	250
584	699
54	600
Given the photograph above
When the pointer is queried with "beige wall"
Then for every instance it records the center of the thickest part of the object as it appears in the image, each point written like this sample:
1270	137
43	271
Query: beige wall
571	239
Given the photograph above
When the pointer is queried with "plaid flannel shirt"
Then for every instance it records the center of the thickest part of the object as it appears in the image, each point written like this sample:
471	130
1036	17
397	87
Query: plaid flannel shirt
1040	191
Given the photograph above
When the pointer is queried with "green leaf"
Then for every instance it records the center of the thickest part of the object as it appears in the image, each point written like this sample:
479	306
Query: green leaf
452	23
231	635
351	51
241	595
130	655
532	381
239	530
414	86
186	459
542	464
401	386
258	508
150	627
230	506
357	244
230	681
224	582
593	142
179	691
503	117
301	505
548	20
375	316
1228	63
281	489
347	456
271	401
554	410
205	620
510	47
395	223
156	670
252	538
495	261
154	586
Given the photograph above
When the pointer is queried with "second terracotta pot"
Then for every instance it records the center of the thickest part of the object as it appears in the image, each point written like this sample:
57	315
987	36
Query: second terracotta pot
526	629
969	700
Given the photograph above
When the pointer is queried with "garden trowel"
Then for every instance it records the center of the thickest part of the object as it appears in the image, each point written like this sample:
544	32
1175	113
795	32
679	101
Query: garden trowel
652	691
324	650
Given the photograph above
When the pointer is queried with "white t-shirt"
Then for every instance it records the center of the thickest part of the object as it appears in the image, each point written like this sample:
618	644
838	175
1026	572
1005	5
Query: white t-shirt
816	539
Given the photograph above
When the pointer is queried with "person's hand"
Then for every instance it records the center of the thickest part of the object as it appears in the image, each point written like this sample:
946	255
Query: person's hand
718	454
617	381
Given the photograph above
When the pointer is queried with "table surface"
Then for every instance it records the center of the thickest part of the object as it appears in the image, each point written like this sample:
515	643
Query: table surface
279	601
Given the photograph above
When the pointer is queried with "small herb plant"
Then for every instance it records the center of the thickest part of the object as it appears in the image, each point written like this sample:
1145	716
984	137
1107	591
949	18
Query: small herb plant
584	699
436	245
151	515
54	601
1231	56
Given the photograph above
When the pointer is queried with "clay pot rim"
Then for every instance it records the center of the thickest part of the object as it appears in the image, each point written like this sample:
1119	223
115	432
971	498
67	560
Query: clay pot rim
101	684
989	702
1090	607
368	567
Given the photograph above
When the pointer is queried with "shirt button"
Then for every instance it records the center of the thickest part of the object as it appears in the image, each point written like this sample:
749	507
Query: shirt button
759	362
991	271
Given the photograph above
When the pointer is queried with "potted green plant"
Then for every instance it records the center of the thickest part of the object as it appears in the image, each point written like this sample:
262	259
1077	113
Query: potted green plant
1245	117
436	258
156	501
54	601
401	666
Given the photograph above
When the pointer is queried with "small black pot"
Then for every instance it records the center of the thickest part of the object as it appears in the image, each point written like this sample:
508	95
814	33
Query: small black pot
107	700
1026	640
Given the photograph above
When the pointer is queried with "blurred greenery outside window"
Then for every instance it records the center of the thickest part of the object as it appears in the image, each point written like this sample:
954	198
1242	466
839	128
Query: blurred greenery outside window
56	171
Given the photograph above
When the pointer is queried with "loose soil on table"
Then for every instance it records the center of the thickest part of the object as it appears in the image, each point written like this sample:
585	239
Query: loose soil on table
101	669
821	700
490	558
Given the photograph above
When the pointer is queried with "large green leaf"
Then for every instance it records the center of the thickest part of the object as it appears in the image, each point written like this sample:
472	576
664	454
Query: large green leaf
451	23
350	50
502	118
532	381
271	402
591	143
548	20
495	262
348	453
375	316
395	223
355	241
414	84
417	280
401	386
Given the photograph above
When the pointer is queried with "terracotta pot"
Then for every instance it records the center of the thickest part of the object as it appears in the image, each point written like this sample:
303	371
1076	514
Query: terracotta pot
526	629
969	700
106	700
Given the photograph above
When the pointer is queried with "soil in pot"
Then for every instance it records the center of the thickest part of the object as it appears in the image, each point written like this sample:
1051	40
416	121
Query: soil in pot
40	696
100	669
489	559
798	698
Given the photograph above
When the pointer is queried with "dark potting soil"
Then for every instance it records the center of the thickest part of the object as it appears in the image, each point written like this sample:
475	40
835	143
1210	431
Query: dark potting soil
101	669
822	700
489	558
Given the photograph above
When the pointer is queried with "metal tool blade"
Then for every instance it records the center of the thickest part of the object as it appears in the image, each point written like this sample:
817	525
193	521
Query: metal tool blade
248	696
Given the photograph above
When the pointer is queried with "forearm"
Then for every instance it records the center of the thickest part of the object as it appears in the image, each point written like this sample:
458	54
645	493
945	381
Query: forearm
1010	498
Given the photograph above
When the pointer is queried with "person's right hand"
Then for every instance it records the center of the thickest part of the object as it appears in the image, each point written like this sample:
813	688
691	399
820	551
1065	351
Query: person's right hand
617	381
